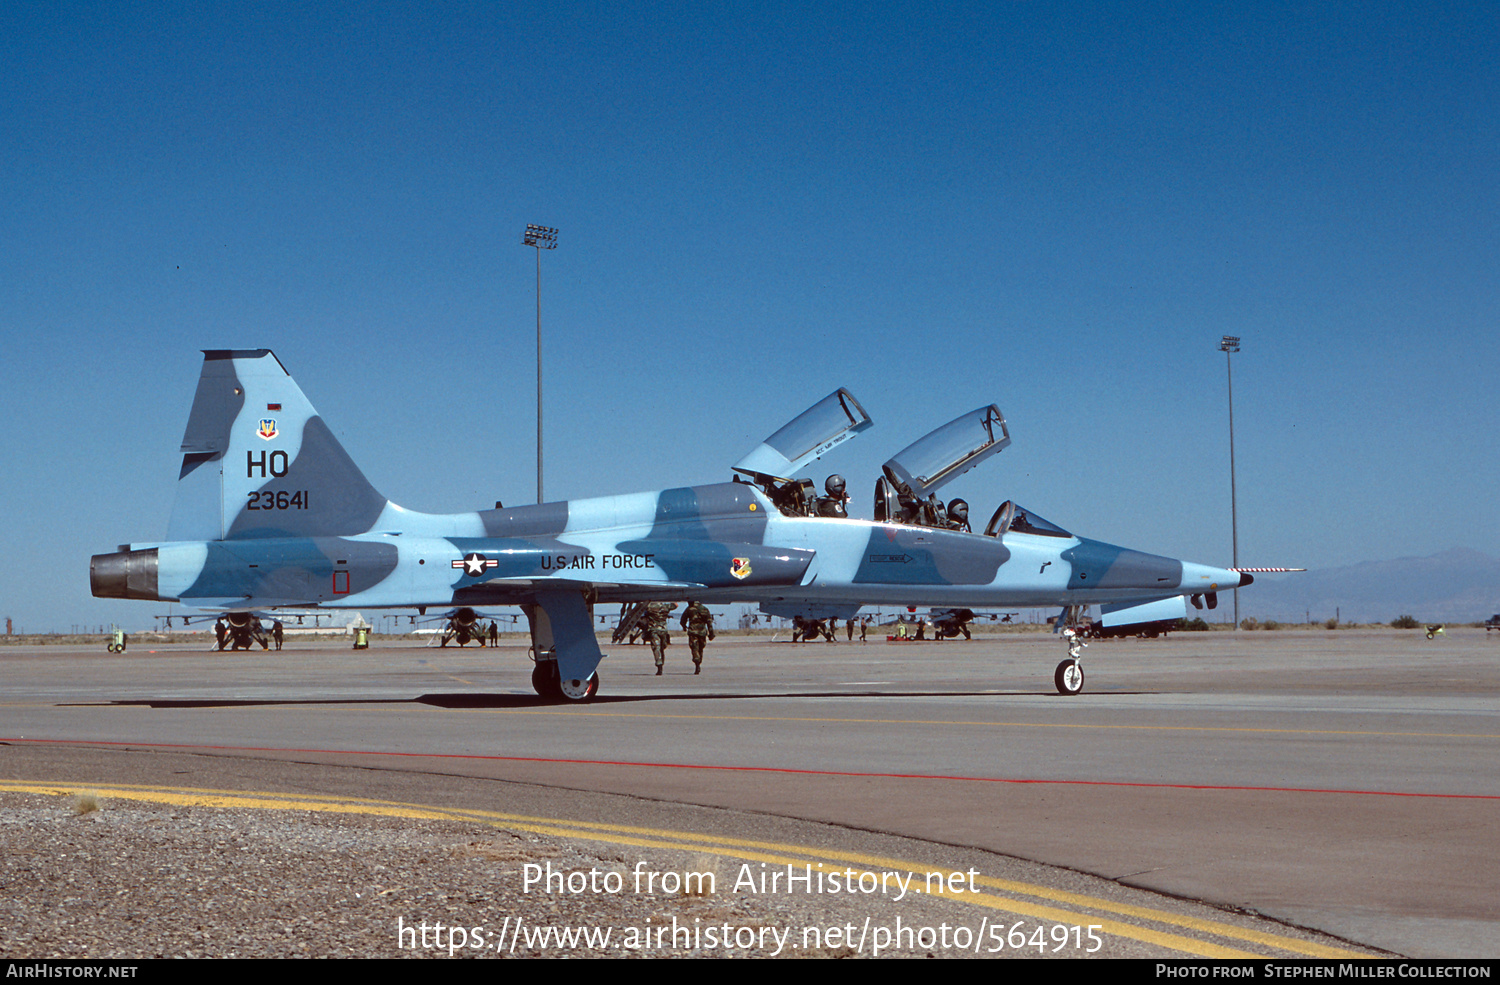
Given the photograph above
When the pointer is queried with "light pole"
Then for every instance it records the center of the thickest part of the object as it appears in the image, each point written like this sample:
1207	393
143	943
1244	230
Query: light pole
543	238
1230	344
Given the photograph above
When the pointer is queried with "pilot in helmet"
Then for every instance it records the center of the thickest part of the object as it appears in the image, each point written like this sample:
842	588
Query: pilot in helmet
832	505
958	515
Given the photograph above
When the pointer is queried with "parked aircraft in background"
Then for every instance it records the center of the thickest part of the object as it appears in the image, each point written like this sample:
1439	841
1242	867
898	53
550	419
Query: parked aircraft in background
272	513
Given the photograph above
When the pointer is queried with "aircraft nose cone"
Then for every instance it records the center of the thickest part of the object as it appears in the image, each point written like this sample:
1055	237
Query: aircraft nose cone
1202	578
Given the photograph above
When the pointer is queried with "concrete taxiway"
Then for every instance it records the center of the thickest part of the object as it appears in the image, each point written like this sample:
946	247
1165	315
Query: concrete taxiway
1342	781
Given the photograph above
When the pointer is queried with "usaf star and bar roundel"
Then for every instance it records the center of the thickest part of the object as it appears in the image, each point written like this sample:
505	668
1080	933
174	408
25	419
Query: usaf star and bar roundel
475	564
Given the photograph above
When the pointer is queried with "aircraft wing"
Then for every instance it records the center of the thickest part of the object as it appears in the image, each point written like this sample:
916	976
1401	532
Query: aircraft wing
809	610
519	591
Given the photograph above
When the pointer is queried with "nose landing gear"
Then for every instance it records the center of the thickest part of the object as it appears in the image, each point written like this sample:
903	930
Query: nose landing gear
1069	674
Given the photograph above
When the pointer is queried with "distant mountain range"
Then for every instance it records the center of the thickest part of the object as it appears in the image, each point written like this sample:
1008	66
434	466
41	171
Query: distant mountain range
1460	585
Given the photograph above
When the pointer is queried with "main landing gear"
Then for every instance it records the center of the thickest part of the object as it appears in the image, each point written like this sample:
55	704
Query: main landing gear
546	682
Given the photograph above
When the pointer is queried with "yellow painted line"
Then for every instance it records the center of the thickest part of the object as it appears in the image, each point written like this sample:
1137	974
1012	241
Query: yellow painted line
1073	899
758	851
1202	949
1094	903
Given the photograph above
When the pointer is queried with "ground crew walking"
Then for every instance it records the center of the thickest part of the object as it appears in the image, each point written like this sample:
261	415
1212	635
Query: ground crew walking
699	623
656	631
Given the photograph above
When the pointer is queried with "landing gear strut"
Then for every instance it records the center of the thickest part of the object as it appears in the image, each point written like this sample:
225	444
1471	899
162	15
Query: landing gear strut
1069	674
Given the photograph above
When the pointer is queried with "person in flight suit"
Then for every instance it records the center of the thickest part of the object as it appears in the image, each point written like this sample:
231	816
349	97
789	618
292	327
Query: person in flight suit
834	504
656	631
699	624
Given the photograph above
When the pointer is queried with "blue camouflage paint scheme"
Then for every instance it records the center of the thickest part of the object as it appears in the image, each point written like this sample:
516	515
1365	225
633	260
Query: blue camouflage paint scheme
298	571
904	555
697	532
348	504
685	514
1099	565
280	516
542	520
215	408
515	558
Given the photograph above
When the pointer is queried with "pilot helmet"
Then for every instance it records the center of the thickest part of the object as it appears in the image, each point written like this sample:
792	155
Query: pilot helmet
958	509
834	484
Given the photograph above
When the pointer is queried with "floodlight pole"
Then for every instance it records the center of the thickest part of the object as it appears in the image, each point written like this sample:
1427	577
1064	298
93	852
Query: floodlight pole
543	238
1231	344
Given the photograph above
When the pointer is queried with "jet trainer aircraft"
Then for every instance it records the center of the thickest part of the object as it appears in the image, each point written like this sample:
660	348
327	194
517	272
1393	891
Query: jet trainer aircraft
271	512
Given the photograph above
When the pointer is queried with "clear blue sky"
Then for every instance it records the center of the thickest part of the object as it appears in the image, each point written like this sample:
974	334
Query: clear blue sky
1058	208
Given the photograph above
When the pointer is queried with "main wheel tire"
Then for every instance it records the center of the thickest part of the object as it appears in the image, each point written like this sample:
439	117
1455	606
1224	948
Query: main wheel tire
544	680
1069	677
576	690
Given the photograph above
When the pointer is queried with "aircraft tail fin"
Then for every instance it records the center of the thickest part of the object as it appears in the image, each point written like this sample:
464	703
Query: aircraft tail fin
258	461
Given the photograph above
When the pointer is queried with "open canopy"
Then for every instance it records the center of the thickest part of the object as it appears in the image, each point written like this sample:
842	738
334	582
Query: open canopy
929	463
828	423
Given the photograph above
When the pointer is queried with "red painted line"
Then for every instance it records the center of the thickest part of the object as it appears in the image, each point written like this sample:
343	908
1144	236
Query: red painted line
756	769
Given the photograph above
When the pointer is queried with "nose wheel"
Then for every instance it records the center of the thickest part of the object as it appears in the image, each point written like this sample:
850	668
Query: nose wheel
1069	677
